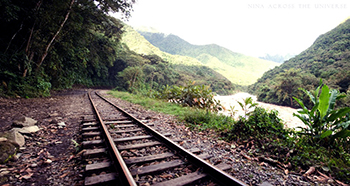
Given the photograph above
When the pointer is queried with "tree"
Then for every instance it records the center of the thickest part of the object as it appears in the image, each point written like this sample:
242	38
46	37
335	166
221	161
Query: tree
132	77
57	41
287	86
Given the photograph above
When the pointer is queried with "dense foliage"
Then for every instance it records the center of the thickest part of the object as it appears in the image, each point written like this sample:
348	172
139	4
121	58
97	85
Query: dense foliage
264	137
238	68
56	44
260	135
139	73
199	96
149	74
261	124
328	58
326	125
206	120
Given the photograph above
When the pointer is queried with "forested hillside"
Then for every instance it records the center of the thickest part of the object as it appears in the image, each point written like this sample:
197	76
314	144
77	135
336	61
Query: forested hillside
47	45
328	58
238	68
188	68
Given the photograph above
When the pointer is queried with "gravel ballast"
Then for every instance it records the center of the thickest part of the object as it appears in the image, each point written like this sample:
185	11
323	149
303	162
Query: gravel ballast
51	156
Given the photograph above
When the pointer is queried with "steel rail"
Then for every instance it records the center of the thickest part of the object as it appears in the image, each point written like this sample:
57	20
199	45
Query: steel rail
217	174
127	178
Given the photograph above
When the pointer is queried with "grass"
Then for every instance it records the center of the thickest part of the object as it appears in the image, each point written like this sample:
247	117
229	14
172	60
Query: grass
195	118
264	129
203	120
153	104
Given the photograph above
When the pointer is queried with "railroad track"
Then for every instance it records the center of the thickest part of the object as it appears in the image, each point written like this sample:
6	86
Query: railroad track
120	149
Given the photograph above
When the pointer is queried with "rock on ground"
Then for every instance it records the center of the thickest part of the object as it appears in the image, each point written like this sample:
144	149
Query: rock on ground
49	156
23	121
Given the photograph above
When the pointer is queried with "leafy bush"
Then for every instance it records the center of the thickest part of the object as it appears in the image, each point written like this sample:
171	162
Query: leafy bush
262	135
336	161
261	123
325	124
191	95
266	132
263	132
204	120
246	105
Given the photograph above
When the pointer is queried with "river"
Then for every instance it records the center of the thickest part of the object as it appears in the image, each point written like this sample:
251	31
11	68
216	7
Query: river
285	113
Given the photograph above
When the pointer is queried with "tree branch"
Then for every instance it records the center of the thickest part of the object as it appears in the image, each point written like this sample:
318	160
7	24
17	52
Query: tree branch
54	37
13	37
32	30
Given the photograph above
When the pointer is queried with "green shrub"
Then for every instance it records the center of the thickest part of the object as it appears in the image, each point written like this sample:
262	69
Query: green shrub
261	123
325	124
264	130
246	105
204	120
335	162
199	96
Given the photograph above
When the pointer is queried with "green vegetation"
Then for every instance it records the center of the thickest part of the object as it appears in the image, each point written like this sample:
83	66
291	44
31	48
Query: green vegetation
199	96
325	125
246	105
261	135
261	124
238	68
57	44
206	120
328	58
148	74
189	69
152	103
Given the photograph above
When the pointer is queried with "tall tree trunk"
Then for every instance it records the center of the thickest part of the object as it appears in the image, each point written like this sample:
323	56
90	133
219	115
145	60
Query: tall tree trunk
134	78
29	53
13	37
56	34
152	81
32	30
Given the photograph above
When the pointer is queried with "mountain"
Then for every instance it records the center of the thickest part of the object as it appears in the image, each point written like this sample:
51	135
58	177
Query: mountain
188	68
238	68
140	45
277	58
327	58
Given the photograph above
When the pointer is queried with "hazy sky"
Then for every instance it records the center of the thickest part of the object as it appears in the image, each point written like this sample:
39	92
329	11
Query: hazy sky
252	27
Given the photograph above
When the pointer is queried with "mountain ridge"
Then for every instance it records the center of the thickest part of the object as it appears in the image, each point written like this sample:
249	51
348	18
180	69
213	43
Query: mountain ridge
237	67
190	68
328	58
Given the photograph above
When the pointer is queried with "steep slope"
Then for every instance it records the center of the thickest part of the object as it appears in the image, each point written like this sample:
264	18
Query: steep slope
190	69
140	45
238	68
328	58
